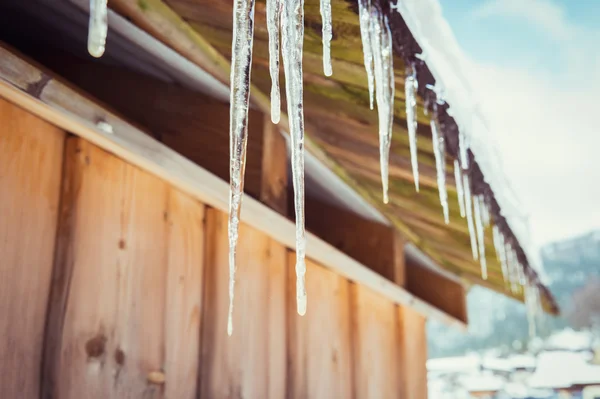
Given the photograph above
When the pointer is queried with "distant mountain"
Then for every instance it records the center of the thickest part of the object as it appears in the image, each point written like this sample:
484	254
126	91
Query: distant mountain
499	322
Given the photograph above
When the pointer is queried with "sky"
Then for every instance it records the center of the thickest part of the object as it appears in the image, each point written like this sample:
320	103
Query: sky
535	65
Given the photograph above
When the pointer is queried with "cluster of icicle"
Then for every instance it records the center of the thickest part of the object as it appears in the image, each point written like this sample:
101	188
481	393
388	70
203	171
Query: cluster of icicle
286	19
476	209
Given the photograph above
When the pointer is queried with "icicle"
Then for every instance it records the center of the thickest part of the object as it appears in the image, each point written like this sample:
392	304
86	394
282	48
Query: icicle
501	252
292	38
439	151
512	268
459	187
485	212
521	272
410	87
478	205
364	11
496	239
381	40
98	27
241	61
530	306
327	33
538	307
469	209
273	16
463	148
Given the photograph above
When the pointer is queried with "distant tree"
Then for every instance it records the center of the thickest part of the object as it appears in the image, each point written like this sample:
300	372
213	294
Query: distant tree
584	311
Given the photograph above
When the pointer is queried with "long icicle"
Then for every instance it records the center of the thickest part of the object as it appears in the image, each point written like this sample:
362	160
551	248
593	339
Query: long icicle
439	151
364	12
410	87
327	32
530	306
469	211
463	149
460	192
273	17
241	61
292	26
502	254
485	212
381	40
478	205
98	27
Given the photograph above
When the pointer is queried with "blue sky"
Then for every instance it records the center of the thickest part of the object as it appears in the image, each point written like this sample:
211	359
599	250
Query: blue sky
535	64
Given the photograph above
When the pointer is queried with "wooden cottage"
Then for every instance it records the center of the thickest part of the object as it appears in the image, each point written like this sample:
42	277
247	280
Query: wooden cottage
113	216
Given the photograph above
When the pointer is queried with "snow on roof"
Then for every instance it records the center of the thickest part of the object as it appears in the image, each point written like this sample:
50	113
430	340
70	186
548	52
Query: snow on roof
459	364
483	382
517	390
497	363
523	361
562	369
447	63
569	339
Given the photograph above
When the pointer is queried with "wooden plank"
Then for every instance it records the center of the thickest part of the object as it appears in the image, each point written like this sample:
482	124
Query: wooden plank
250	363
41	94
184	295
412	354
320	354
373	244
109	334
30	173
376	362
440	291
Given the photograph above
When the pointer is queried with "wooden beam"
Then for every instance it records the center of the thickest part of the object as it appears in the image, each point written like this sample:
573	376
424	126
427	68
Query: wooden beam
373	244
42	94
440	291
191	123
381	248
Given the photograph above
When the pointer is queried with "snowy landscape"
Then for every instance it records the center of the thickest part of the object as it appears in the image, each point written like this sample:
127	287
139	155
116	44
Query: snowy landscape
498	358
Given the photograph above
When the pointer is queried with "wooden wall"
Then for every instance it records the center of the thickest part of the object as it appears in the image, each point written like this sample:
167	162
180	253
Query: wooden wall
114	285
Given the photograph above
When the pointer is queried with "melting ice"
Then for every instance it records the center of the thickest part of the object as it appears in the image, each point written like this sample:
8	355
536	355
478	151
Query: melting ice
439	151
364	12
459	187
469	209
241	60
292	38
273	17
410	87
381	40
327	33
478	205
98	27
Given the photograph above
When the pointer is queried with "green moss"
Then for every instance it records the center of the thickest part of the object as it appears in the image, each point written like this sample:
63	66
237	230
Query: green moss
143	5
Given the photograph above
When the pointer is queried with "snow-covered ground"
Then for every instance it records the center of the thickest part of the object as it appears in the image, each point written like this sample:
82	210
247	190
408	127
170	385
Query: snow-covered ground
565	360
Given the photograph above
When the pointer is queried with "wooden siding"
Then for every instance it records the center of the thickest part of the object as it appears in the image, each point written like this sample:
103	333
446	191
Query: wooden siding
30	167
137	303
